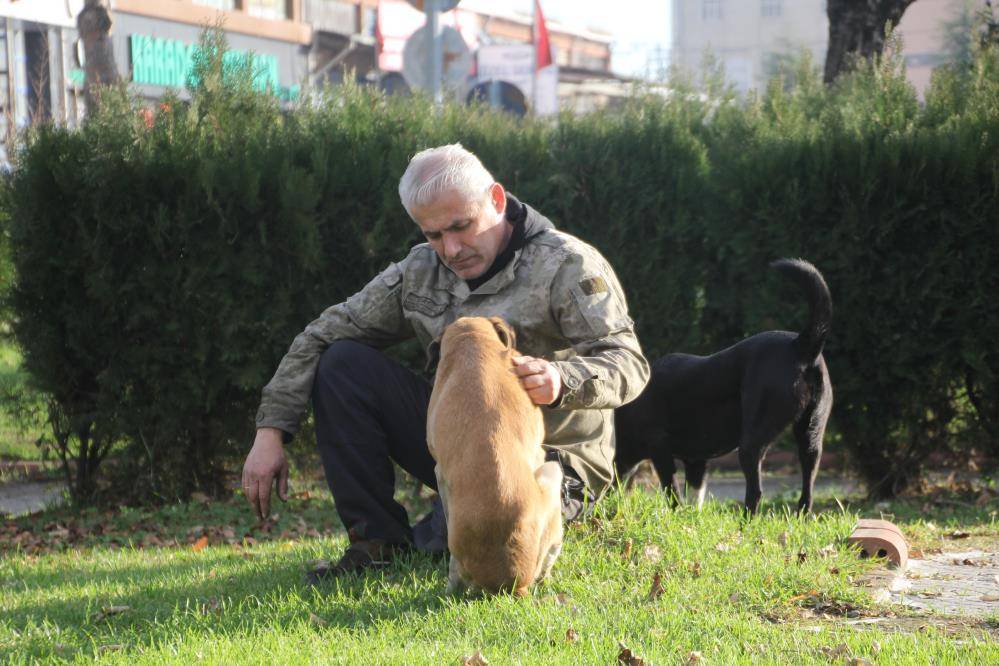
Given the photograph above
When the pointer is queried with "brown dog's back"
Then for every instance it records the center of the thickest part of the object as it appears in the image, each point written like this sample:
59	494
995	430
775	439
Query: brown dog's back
485	434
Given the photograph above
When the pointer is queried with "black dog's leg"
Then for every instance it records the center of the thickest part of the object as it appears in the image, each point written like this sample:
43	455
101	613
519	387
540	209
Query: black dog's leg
666	469
808	431
694	473
751	461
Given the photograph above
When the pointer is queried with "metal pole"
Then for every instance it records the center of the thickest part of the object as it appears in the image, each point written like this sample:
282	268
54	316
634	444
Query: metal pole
534	60
495	101
435	65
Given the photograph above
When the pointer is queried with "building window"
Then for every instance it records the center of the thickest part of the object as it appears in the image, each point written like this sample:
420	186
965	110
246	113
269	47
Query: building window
771	8
711	10
268	9
223	5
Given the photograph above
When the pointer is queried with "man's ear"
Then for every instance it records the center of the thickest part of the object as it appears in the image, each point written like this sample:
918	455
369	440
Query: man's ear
433	356
504	332
497	196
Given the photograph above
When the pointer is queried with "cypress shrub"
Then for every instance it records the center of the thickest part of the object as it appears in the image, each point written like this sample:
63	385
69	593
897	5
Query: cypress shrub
162	269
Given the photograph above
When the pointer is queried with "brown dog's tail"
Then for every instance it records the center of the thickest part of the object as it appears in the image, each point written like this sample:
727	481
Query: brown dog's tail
808	278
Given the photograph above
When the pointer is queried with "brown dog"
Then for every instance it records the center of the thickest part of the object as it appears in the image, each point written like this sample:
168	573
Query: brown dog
501	499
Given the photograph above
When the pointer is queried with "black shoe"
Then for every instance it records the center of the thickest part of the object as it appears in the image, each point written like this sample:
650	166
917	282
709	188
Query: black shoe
359	557
430	533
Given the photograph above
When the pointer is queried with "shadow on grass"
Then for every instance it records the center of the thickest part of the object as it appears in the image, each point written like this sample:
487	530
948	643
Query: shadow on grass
223	593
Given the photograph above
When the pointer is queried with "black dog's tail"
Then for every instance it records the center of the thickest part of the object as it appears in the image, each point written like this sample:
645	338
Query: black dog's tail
808	278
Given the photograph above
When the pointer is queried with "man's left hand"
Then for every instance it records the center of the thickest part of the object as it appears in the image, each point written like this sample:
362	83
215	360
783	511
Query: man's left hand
539	378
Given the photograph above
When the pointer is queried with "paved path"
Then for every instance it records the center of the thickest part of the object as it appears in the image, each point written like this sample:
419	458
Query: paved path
23	497
733	486
959	583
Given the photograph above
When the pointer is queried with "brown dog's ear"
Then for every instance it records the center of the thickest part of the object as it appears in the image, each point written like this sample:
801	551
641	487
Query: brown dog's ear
433	356
504	332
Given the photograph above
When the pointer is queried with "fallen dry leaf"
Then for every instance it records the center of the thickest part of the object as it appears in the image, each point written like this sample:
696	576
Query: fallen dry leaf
834	653
657	588
799	597
859	661
626	656
802	556
571	636
213	605
58	532
834	571
695	657
782	539
827	550
694	568
200	544
108	611
652	553
477	659
875	647
722	547
626	551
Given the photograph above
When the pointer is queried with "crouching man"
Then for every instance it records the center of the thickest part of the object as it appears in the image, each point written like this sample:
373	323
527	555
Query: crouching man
486	254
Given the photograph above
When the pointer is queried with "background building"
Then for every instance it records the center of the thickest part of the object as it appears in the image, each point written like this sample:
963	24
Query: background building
153	40
39	75
752	37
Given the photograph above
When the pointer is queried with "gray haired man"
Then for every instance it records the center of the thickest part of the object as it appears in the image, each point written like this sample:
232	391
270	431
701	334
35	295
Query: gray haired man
486	254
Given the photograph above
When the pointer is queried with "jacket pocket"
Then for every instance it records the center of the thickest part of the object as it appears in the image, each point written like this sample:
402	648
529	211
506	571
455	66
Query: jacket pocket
425	306
600	307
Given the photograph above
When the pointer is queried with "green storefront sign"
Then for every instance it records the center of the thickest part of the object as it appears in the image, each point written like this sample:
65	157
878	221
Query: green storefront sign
167	62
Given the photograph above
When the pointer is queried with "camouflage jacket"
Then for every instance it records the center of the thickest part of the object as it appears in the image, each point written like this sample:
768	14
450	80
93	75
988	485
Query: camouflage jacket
560	295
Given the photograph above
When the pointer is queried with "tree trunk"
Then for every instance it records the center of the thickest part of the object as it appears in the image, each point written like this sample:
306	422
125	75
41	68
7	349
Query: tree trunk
94	26
858	27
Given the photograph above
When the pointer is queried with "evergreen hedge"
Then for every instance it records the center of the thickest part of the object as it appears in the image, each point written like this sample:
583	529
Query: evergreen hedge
163	268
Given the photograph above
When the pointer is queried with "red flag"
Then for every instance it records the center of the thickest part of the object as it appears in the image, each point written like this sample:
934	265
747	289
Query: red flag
542	47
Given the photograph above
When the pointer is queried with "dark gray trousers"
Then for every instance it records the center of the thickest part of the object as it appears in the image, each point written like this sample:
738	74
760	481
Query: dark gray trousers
370	412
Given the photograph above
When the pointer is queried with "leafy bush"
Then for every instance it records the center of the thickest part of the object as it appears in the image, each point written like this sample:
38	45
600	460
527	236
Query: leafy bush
164	263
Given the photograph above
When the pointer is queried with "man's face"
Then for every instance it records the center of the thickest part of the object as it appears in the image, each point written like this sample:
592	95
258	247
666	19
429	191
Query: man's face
466	234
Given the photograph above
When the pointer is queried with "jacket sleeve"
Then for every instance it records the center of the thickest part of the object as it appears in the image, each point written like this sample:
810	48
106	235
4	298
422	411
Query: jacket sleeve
608	369
373	316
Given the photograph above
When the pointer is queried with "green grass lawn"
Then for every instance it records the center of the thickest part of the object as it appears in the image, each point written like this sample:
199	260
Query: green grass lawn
776	589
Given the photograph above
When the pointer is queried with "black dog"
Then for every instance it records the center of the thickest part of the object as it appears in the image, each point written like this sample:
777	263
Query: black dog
701	407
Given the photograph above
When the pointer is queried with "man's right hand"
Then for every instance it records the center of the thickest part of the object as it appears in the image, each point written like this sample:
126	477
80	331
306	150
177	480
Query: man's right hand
265	462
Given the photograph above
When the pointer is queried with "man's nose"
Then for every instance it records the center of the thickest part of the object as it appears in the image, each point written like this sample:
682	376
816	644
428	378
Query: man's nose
452	246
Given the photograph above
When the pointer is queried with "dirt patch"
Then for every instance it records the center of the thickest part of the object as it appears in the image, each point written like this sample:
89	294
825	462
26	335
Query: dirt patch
957	627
